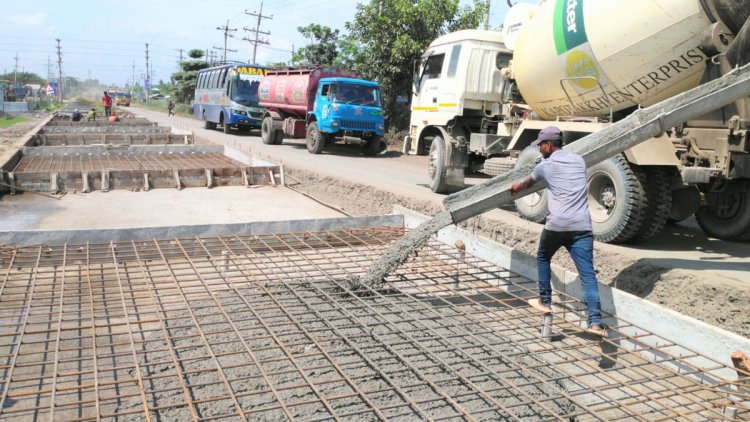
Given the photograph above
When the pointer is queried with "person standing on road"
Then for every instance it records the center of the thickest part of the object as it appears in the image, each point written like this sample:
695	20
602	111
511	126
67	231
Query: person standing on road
568	223
107	103
170	107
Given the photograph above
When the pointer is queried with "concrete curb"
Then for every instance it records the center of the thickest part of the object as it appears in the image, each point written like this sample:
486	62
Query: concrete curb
53	237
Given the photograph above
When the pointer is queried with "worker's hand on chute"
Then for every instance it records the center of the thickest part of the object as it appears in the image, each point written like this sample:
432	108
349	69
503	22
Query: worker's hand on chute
517	187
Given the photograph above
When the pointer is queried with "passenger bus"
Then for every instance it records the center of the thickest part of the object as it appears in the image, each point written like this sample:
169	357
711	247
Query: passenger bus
227	96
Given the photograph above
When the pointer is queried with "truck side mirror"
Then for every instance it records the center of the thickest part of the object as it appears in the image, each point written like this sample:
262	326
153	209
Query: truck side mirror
415	77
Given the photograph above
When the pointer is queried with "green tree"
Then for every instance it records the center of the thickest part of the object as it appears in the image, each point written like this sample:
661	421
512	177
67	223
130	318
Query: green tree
395	33
184	81
322	49
24	78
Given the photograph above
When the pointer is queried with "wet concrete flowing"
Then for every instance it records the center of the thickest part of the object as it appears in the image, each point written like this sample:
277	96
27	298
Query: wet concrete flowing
400	251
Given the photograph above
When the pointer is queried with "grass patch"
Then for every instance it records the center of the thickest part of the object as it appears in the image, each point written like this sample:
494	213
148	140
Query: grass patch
6	122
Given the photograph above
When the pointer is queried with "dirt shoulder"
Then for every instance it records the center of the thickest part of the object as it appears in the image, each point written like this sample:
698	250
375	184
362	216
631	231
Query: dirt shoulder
716	300
11	137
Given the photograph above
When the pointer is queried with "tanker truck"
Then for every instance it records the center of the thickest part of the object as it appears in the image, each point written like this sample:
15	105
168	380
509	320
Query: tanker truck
323	105
481	97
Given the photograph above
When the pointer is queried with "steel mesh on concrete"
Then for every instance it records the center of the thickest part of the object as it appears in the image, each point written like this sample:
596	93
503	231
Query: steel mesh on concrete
271	327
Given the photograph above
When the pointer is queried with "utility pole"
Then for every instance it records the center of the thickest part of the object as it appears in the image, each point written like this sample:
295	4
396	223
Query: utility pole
59	68
180	63
227	34
15	71
132	87
49	69
257	30
148	76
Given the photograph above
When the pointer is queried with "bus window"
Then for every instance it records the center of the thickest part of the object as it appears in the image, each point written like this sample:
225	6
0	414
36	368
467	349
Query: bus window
222	77
199	84
245	90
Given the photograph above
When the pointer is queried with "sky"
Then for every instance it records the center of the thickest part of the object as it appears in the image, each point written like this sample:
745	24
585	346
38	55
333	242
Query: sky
106	40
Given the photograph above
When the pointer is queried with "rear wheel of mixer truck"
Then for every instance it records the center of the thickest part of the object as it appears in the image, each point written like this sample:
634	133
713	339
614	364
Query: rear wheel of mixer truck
617	199
532	207
726	216
314	139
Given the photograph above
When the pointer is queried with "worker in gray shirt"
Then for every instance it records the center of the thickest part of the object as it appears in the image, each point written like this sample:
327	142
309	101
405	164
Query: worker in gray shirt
568	223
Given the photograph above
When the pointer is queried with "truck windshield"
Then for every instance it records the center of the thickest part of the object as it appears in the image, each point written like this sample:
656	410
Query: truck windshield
357	94
245	90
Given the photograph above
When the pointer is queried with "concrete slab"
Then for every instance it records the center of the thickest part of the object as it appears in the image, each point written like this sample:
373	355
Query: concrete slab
161	207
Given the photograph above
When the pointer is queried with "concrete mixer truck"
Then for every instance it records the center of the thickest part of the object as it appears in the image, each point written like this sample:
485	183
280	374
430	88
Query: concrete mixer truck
481	97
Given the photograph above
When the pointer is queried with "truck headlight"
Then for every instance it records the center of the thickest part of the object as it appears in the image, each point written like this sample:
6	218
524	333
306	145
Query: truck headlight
334	123
381	127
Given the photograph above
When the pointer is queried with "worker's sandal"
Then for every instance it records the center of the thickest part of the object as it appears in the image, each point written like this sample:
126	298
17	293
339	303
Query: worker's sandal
539	306
597	330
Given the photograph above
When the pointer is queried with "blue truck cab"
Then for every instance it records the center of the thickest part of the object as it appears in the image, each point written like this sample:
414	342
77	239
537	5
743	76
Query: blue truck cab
349	110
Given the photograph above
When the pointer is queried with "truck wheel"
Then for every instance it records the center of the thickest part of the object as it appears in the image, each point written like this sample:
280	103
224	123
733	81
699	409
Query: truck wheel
617	199
372	147
267	133
436	166
278	137
315	140
532	207
658	187
729	219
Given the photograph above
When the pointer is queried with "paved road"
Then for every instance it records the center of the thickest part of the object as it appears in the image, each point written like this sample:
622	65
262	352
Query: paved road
682	245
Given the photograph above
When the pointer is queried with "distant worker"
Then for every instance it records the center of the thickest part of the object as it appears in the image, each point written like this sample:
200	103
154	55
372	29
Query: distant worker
107	103
170	107
91	115
76	116
113	118
568	223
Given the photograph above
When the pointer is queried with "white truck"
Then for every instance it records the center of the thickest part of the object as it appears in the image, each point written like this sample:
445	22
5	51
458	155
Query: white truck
481	97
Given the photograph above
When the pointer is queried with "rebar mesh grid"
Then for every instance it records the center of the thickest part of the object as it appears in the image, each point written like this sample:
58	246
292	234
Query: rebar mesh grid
125	161
271	328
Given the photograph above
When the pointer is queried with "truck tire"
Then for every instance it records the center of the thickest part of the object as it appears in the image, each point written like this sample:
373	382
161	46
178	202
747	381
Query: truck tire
617	199
314	139
436	166
658	205
531	207
278	137
267	133
372	147
730	220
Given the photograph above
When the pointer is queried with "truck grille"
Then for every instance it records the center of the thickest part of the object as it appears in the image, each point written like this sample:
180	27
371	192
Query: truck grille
255	114
357	125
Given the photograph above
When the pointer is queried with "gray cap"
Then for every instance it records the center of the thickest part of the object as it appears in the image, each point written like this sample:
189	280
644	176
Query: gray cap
550	133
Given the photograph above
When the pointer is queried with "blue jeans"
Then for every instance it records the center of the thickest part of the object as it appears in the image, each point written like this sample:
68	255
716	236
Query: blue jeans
580	245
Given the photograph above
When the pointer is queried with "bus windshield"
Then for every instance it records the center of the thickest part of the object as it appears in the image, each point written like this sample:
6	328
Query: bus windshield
245	90
346	93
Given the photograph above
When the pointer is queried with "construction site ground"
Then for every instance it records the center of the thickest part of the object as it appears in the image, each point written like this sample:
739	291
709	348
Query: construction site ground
681	269
270	327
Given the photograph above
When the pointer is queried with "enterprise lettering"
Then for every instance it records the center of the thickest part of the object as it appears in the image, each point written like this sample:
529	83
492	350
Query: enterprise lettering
634	91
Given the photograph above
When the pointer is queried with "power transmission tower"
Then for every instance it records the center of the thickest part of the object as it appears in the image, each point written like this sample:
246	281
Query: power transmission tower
227	34
180	62
59	69
257	30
